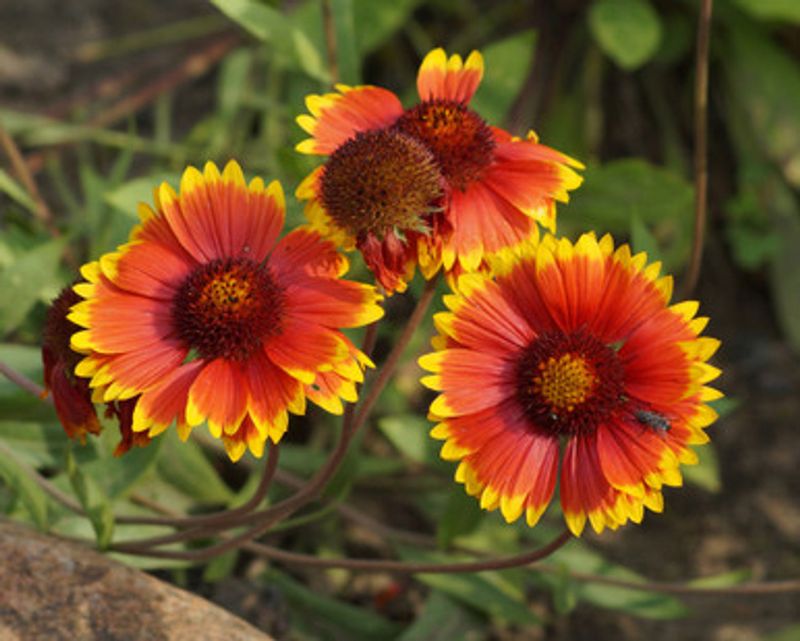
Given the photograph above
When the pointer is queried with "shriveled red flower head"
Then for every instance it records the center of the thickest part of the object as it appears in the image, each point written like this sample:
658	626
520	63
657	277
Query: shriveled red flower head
72	397
206	316
573	345
432	185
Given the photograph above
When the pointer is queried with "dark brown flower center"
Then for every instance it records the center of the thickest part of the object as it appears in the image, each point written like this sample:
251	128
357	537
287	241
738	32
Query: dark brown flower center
569	383
459	139
378	181
227	308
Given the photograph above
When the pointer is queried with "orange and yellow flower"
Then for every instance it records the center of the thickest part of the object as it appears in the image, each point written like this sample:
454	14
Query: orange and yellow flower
432	185
206	316
575	345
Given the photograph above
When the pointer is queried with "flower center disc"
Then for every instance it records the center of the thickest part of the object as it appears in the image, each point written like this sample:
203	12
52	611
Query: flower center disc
379	180
569	383
460	140
564	382
227	308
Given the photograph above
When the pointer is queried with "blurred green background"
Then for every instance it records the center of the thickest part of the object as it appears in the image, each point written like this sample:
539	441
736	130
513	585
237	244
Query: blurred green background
106	100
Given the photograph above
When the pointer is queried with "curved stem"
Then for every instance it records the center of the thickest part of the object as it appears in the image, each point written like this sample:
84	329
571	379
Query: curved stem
350	427
220	518
261	521
373	565
387	369
700	146
769	587
24	382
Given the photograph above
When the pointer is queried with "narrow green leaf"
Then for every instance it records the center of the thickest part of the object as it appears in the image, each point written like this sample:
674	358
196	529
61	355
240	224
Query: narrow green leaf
493	593
476	591
128	195
783	10
444	619
328	613
724	580
629	31
14	474
506	63
615	193
233	81
643	240
462	514
765	80
346	41
376	22
37	444
576	557
409	434
185	467
25	359
271	26
784	269
15	191
565	593
26	280
220	567
94	500
706	473
118	475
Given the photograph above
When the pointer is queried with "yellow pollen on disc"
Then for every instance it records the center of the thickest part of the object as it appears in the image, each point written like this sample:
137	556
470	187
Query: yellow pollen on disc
227	292
565	382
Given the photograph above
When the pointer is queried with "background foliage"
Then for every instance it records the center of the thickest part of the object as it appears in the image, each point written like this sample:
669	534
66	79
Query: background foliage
606	81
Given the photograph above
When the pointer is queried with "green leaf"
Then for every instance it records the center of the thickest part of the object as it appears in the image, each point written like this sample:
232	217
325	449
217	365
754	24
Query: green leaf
13	189
565	592
506	63
347	51
784	10
269	25
23	359
305	461
578	558
724	580
706	473
376	22
409	434
185	467
26	280
17	477
462	514
94	500
479	592
36	444
784	269
443	619
118	475
629	31
618	192
493	593
127	196
220	567
765	80
642	240
328	613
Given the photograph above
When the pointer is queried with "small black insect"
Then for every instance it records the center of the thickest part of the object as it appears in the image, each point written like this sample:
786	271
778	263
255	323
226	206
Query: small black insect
655	420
